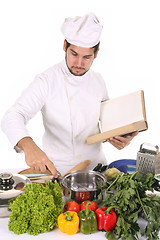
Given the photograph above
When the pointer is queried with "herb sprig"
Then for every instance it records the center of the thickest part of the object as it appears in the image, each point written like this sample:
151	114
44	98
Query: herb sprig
128	192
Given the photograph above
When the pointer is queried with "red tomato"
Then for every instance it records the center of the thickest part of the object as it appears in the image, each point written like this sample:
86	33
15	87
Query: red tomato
93	206
71	206
82	196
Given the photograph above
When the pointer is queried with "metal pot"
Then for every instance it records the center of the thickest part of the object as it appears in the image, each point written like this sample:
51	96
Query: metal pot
82	185
10	187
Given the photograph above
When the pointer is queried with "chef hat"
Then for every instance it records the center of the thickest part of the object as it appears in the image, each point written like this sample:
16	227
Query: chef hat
82	31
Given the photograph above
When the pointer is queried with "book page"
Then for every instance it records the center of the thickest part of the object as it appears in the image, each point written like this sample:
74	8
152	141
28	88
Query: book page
121	111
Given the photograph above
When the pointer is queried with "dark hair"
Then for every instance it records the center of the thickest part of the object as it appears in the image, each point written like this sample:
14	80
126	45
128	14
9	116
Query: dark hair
96	47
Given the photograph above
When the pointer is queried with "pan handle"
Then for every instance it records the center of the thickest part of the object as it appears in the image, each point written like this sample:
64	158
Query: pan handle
100	168
103	168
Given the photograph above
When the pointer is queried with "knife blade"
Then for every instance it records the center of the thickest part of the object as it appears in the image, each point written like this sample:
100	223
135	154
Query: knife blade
36	175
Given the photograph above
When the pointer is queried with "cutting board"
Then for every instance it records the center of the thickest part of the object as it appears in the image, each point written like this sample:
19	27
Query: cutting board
32	171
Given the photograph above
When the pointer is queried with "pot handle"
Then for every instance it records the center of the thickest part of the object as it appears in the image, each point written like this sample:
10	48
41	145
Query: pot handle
100	168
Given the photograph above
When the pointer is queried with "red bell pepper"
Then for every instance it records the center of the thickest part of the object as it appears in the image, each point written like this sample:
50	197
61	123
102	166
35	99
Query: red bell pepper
106	218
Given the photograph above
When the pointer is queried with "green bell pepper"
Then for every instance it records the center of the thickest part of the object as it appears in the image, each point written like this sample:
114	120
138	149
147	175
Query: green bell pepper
88	221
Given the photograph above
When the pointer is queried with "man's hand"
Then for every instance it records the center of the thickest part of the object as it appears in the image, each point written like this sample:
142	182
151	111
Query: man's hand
120	142
35	157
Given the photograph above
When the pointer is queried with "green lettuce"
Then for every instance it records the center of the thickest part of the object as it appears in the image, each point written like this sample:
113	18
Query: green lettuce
37	209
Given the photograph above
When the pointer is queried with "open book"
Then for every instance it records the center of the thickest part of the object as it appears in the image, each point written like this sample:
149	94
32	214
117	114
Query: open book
120	116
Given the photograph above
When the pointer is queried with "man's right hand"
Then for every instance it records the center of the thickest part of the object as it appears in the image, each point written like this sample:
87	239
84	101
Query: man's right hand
35	157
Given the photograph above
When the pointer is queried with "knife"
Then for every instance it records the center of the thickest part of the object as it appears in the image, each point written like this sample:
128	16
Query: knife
37	175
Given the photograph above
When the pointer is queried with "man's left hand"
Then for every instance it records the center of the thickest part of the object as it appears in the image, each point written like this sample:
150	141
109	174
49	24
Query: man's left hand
122	141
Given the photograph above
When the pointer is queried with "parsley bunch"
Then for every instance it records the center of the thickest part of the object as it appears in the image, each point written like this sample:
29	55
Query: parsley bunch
128	192
37	209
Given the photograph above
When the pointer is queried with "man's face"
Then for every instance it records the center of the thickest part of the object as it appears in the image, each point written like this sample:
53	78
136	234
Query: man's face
79	59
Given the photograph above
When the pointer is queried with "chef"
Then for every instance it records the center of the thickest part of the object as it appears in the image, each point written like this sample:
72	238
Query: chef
68	95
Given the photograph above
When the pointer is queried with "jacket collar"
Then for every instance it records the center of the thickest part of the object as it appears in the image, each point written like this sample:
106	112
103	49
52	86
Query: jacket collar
72	76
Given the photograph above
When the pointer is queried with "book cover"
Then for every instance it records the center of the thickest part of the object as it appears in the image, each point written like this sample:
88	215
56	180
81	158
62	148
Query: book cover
120	116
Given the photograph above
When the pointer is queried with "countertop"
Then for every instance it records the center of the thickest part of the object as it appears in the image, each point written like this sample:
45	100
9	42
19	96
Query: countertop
5	234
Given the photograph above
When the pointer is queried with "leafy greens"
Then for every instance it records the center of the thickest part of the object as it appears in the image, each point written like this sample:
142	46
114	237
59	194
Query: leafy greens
128	192
37	209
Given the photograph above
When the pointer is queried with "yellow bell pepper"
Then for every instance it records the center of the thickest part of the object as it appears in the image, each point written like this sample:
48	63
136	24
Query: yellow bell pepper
68	222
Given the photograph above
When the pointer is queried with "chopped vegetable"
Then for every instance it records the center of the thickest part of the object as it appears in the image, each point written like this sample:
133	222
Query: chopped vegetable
93	206
128	192
37	209
88	221
68	222
71	206
106	218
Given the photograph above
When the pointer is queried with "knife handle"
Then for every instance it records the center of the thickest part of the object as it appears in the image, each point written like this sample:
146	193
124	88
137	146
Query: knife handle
56	180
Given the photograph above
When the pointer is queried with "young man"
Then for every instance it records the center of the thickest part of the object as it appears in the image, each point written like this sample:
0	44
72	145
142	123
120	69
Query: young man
68	95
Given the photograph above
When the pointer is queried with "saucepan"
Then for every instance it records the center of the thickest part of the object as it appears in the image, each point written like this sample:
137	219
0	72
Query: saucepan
82	185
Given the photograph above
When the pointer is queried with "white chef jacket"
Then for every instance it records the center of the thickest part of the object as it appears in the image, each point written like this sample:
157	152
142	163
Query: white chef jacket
70	107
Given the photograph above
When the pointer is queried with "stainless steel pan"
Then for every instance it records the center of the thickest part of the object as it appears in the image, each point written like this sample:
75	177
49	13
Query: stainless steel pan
82	185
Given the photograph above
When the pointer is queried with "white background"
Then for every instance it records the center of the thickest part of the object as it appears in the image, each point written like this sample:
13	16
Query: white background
129	58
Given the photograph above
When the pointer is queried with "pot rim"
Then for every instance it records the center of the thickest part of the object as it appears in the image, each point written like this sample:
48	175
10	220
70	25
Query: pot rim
102	176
